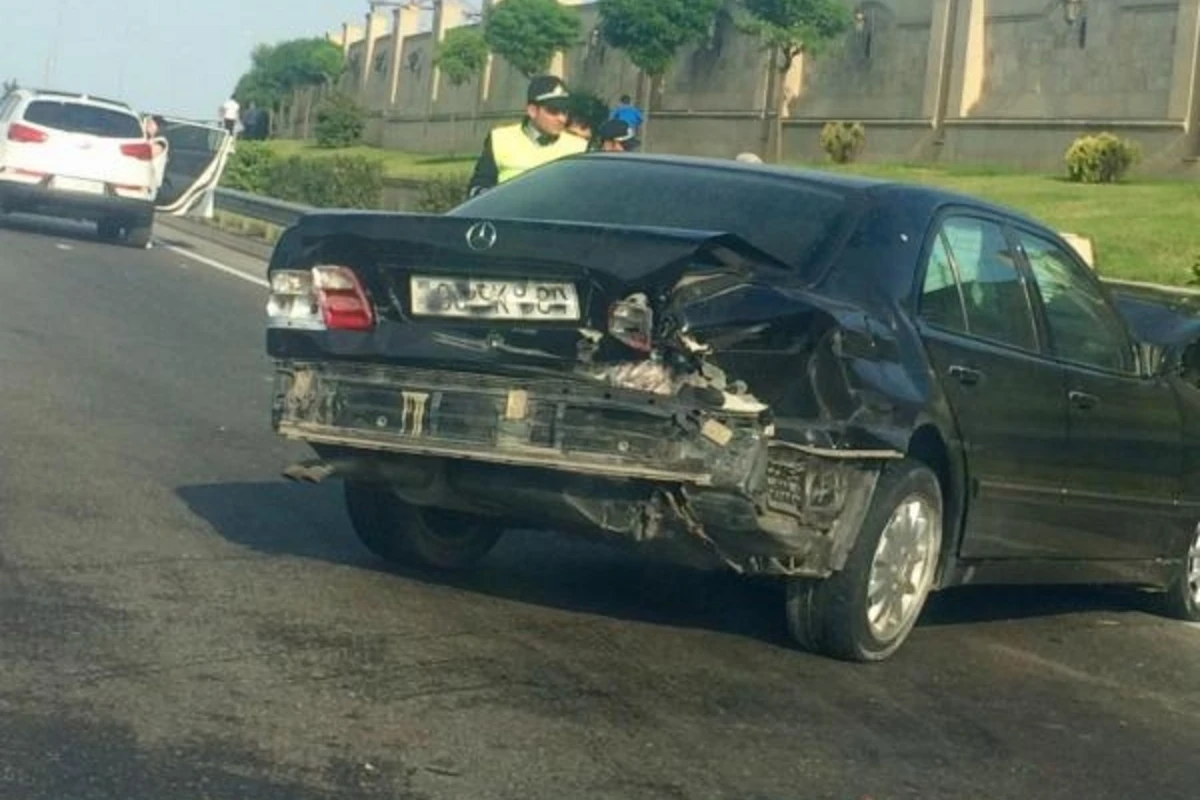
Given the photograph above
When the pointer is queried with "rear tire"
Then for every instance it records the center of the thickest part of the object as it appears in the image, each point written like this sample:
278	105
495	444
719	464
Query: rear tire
1182	598
139	233
866	611
404	534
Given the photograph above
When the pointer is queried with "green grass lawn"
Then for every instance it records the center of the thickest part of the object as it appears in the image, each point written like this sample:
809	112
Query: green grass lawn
1144	230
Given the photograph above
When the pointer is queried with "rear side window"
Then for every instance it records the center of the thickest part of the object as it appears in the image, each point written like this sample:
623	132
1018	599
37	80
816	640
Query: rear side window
993	293
79	118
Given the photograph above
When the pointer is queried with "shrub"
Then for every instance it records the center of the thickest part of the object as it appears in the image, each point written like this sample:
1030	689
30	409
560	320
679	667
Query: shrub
329	181
843	141
340	121
1103	158
249	167
440	193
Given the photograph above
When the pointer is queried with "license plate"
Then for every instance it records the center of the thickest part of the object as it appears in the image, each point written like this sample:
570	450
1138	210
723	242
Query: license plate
473	298
78	185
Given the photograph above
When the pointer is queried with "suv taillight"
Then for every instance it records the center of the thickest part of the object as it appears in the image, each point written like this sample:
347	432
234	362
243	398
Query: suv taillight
142	151
26	135
323	298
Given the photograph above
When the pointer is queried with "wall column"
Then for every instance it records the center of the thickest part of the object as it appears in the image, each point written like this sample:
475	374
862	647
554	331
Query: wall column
364	69
485	78
939	66
406	21
1182	104
968	64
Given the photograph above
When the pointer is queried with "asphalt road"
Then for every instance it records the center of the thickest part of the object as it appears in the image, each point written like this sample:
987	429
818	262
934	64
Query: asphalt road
177	622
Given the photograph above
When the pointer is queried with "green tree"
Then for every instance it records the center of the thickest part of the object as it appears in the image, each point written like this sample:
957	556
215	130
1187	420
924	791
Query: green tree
462	55
276	70
652	31
790	28
527	33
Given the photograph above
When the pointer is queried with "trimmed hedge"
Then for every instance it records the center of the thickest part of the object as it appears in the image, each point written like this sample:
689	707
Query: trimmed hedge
249	168
440	193
329	182
335	181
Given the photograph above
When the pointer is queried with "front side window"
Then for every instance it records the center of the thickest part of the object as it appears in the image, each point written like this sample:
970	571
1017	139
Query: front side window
1083	327
993	293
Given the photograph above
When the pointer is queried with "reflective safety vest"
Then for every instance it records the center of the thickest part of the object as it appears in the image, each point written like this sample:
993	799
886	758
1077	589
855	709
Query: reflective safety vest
515	152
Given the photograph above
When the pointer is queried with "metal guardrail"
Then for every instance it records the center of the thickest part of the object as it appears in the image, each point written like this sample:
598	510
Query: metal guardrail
263	209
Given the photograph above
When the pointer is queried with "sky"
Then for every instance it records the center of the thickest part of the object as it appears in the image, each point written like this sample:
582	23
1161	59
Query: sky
173	57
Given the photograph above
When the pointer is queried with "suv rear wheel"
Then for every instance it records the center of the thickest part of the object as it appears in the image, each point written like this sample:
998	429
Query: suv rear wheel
401	533
866	611
139	232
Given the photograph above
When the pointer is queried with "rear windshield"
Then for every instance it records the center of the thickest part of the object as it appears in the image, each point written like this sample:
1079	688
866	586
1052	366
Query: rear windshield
79	118
792	220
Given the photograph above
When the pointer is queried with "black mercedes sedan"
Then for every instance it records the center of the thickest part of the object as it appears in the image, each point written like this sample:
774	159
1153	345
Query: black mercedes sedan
866	390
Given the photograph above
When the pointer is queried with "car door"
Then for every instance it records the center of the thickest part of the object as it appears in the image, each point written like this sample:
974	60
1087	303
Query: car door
195	159
1008	398
1124	445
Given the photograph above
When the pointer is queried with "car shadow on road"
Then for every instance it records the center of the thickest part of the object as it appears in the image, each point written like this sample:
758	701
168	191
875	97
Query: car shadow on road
582	576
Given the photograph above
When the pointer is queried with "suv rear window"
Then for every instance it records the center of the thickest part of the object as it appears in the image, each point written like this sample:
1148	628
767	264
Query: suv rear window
80	118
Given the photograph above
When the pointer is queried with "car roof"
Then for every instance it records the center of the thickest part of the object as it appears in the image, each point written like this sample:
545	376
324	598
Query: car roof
78	97
919	197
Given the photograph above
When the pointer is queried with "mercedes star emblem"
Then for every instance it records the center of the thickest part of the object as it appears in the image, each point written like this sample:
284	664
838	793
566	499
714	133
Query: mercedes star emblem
481	236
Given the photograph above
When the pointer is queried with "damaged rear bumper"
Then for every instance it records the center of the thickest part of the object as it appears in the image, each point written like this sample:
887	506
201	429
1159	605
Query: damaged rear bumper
646	468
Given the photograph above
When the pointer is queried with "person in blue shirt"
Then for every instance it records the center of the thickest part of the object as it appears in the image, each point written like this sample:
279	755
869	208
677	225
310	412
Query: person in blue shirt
628	113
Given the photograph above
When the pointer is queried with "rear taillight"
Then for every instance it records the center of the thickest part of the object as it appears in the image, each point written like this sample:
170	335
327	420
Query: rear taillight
142	151
344	305
631	321
322	298
26	135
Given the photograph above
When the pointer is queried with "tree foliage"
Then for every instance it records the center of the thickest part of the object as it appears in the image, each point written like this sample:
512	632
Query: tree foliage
527	33
10	86
652	31
462	55
278	69
792	27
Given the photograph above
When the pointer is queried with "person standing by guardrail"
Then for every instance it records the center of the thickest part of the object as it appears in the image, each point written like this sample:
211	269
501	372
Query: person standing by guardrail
541	138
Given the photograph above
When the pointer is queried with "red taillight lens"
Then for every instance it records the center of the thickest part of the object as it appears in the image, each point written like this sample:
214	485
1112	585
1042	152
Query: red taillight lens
142	151
25	134
342	300
631	321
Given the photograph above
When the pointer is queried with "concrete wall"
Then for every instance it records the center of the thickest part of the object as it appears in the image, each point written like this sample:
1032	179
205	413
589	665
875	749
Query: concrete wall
1005	81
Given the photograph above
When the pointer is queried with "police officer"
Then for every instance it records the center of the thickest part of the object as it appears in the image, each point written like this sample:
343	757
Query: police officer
512	149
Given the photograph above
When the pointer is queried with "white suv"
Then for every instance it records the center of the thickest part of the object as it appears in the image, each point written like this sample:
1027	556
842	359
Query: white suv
70	155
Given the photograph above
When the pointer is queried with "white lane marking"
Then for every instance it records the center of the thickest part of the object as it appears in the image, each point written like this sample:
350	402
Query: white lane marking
62	246
217	265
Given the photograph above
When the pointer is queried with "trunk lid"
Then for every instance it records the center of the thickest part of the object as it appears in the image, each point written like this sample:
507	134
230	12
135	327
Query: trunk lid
503	295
